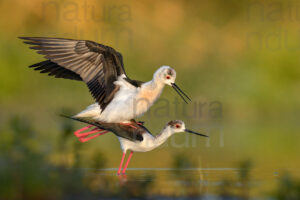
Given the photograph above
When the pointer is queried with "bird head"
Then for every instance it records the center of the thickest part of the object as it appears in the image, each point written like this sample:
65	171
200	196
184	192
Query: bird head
178	126
167	75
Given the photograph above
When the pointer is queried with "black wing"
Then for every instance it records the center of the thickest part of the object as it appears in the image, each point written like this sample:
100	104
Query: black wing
53	69
121	130
96	64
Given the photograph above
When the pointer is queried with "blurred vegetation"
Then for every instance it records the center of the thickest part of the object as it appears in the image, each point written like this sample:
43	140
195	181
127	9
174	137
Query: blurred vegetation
288	188
26	172
238	186
242	54
190	182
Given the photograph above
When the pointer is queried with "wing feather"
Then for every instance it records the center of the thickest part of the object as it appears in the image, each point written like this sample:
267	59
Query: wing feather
96	64
47	67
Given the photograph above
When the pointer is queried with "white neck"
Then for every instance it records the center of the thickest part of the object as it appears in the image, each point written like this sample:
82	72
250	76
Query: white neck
163	136
154	84
151	90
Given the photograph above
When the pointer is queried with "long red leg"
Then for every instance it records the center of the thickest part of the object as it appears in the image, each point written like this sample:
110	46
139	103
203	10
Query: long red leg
128	160
83	136
95	130
85	139
78	132
122	160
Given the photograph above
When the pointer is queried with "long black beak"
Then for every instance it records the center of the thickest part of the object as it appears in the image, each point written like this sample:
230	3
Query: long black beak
189	131
180	92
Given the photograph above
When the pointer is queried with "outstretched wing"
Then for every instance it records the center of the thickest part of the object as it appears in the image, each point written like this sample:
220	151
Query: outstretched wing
53	69
96	64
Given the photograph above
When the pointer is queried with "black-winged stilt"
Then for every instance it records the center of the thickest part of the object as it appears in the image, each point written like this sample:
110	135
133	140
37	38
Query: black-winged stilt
118	98
135	138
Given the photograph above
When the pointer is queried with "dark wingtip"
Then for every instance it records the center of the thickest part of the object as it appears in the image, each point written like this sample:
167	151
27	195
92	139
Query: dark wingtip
82	120
66	116
24	38
73	118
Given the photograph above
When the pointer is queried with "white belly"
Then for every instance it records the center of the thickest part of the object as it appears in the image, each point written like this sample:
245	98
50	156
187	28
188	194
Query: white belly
147	144
128	103
121	108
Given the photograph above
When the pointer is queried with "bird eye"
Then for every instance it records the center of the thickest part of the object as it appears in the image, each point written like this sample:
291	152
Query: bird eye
177	126
168	77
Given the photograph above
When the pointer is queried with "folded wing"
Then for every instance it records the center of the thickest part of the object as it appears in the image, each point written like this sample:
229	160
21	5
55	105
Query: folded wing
120	130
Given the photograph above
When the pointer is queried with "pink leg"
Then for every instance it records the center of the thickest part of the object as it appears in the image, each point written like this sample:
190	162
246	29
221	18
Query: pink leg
83	136
122	160
85	139
95	130
128	160
78	132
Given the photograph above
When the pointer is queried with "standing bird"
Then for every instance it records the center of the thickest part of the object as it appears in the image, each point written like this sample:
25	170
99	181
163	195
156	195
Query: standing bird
118	98
136	138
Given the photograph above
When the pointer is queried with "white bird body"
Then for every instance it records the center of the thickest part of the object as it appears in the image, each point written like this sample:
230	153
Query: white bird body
100	67
135	138
149	142
128	103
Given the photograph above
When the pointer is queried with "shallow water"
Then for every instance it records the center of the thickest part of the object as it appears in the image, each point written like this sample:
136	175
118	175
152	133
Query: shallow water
195	182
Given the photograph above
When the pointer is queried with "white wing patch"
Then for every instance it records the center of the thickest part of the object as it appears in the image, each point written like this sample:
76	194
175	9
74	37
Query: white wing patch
91	111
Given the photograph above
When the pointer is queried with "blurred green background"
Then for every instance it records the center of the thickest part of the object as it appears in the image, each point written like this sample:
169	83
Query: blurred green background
242	56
